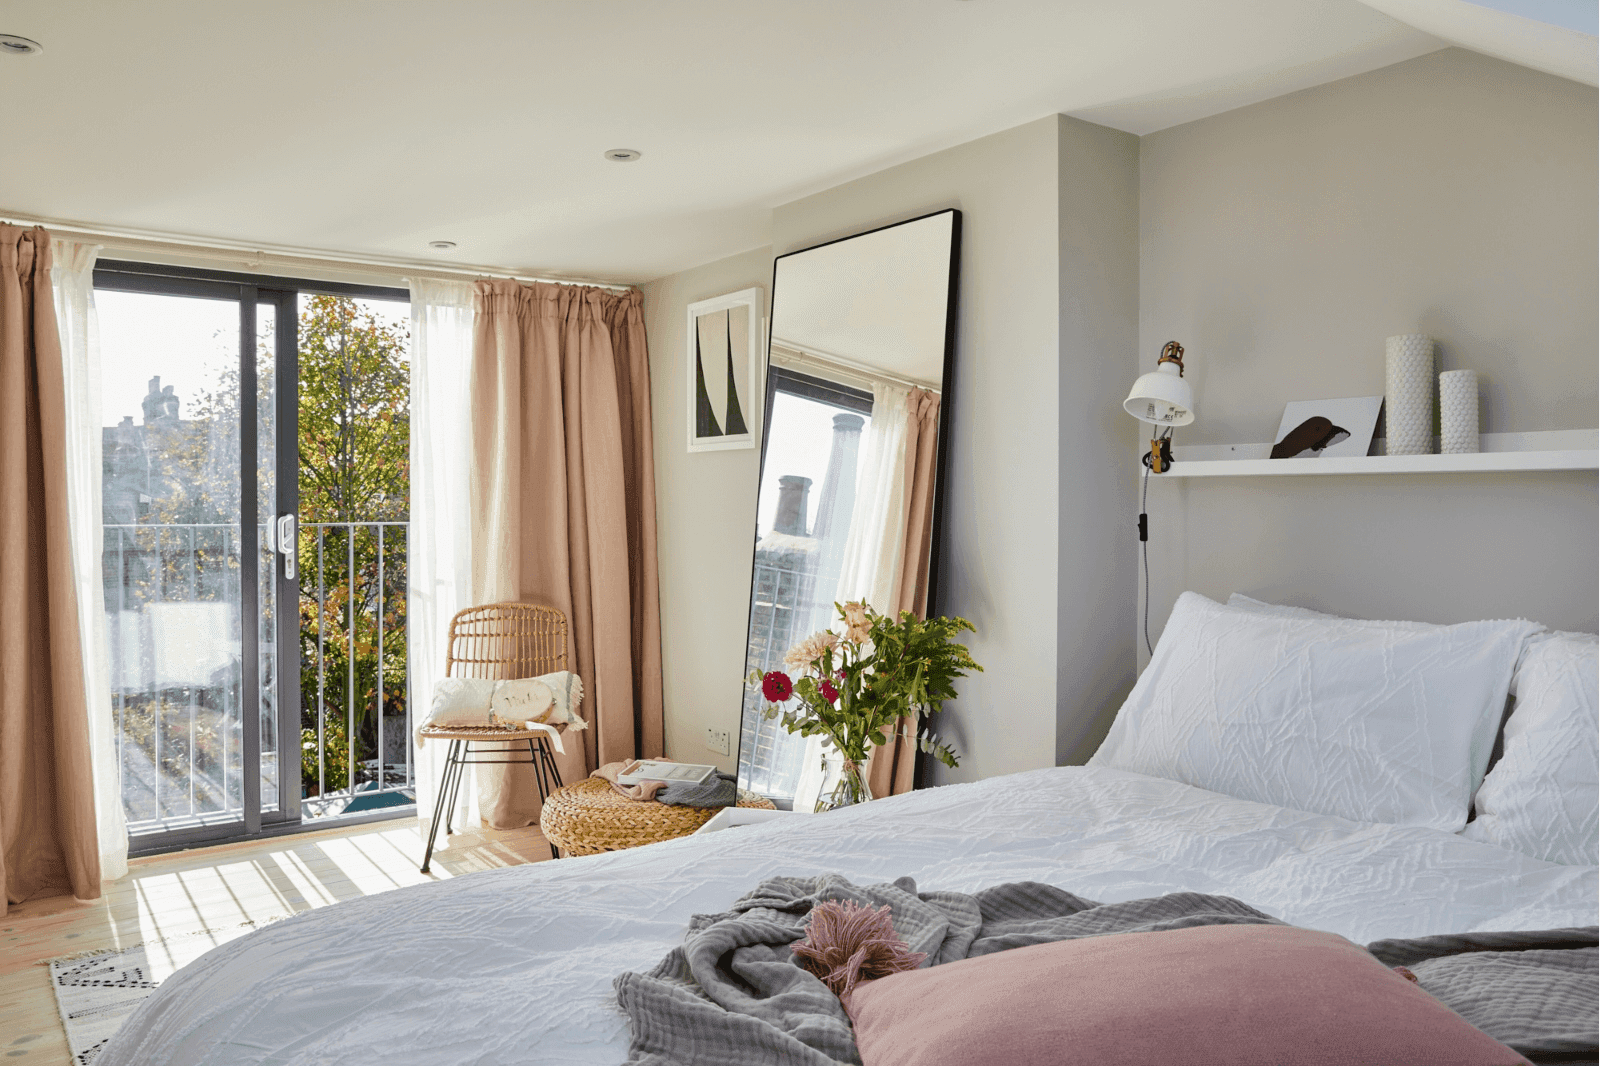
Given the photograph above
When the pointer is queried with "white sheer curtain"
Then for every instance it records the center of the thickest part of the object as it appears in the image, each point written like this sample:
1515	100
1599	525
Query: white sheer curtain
72	276
439	563
876	542
872	549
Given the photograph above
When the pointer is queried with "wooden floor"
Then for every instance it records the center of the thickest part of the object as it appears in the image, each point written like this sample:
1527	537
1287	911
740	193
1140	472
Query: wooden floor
182	905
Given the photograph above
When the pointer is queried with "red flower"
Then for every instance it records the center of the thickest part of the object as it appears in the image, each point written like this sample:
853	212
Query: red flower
829	693
776	686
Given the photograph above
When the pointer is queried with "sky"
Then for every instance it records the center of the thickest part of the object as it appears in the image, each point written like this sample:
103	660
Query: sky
799	443
185	340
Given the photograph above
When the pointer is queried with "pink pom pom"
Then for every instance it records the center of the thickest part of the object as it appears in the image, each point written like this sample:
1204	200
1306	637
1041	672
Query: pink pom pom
847	943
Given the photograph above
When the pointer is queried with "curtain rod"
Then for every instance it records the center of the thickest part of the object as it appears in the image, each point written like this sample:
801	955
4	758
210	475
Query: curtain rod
255	257
804	355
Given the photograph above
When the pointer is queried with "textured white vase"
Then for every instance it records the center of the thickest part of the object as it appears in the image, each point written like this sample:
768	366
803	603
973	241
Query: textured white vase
1458	412
1408	394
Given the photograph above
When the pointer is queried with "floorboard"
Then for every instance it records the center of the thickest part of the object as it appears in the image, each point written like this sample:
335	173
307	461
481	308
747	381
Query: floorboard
182	905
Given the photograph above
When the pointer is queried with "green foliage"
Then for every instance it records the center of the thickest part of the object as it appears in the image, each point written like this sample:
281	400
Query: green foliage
354	446
335	758
857	689
355	414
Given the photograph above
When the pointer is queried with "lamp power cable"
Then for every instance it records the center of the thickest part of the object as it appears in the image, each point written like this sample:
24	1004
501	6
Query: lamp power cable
1144	539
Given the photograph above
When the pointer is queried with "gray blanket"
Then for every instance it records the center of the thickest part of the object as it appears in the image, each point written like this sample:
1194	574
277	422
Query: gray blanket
718	790
733	996
1536	991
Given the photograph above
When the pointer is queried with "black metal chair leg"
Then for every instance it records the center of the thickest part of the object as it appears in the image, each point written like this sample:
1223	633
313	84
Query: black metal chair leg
439	806
546	773
459	751
534	748
538	771
550	761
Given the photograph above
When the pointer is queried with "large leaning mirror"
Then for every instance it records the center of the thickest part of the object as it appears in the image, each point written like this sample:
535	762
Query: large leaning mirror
862	340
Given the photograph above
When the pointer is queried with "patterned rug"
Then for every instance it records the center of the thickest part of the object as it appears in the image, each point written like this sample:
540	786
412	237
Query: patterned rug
95	992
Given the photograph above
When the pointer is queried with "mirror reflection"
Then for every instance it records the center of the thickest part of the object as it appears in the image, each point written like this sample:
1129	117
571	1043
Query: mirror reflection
862	331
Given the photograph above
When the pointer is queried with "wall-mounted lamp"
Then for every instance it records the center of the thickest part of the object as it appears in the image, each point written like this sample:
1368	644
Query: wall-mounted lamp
1162	398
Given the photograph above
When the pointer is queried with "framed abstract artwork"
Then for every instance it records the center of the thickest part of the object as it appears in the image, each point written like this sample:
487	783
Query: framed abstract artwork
724	371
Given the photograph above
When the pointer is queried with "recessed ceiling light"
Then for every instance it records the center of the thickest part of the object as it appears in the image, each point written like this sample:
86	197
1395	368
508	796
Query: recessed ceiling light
18	46
623	155
442	246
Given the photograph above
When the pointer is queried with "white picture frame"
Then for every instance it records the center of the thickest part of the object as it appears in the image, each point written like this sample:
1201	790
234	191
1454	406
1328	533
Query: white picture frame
726	336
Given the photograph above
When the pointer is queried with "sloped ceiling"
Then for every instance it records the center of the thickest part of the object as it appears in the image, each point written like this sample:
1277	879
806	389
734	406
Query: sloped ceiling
370	128
1555	36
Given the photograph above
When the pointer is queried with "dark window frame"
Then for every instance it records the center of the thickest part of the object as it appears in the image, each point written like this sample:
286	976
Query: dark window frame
250	290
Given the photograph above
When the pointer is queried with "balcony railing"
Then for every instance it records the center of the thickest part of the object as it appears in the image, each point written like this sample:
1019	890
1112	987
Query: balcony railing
172	603
386	778
769	755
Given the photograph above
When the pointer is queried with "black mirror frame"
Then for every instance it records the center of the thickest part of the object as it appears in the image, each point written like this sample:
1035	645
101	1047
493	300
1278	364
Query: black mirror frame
942	449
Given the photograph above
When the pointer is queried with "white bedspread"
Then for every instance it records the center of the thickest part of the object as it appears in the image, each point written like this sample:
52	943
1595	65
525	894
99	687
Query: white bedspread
515	965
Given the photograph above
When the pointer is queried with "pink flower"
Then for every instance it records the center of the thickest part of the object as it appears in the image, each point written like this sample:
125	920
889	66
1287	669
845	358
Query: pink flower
829	693
776	686
809	651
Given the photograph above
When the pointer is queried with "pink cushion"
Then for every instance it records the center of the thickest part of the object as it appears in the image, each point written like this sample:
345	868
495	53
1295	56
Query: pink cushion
1239	995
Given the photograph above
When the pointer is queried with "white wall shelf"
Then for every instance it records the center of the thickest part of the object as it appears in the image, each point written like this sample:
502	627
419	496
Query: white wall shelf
1557	450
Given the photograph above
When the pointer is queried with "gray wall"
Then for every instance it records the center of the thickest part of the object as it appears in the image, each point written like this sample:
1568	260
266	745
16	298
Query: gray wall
1034	541
705	523
1098	279
1281	243
1001	537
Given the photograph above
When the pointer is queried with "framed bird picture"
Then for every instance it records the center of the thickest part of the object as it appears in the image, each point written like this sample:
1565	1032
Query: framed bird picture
724	371
1313	429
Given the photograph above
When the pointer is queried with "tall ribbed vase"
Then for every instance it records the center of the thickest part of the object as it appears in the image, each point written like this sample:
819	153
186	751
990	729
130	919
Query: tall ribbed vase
1408	394
1458	412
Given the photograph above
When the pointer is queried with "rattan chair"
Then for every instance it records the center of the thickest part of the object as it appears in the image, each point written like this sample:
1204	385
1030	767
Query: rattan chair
501	642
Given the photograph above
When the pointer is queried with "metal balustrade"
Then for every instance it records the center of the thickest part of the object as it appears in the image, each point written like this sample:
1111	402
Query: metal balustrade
172	607
366	779
769	755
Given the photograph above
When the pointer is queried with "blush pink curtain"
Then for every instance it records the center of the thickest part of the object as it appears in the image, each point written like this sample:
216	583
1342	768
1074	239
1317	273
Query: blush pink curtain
891	768
563	508
48	843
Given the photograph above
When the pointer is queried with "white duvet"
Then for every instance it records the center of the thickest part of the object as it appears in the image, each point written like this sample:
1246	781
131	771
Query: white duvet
515	965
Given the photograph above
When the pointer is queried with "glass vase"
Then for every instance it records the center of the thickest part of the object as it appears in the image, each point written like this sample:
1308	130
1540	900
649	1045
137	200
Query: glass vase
851	789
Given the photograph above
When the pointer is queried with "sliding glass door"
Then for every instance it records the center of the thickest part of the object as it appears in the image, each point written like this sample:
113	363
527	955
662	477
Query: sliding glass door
208	614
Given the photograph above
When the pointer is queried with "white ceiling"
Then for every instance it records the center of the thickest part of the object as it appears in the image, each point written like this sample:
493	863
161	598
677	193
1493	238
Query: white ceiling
370	128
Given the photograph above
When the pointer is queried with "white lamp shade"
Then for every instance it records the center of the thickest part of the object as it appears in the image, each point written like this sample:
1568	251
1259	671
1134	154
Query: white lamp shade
1161	398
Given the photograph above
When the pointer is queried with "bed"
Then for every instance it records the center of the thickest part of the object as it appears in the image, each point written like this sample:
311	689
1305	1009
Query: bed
517	965
1247	720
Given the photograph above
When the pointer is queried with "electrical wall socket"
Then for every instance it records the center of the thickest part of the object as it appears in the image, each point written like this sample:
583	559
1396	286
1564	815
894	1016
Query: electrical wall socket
718	741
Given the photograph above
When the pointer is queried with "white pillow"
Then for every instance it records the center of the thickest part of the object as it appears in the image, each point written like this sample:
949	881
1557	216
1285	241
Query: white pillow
1543	797
1371	721
1283	610
471	701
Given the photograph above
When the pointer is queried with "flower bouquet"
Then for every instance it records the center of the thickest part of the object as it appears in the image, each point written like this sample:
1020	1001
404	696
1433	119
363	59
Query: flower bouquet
854	689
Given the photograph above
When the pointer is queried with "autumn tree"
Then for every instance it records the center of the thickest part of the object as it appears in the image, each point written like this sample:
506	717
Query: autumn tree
354	443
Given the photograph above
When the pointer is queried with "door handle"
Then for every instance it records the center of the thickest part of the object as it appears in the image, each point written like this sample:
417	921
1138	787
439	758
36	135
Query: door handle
287	544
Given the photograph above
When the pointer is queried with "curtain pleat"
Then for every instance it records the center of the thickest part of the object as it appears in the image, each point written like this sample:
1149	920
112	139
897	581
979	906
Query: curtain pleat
48	841
563	507
892	768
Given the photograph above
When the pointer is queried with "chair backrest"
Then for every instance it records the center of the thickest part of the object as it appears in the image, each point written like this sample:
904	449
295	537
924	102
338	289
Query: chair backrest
503	641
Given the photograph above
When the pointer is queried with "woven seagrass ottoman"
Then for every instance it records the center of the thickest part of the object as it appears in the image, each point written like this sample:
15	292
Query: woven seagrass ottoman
590	817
